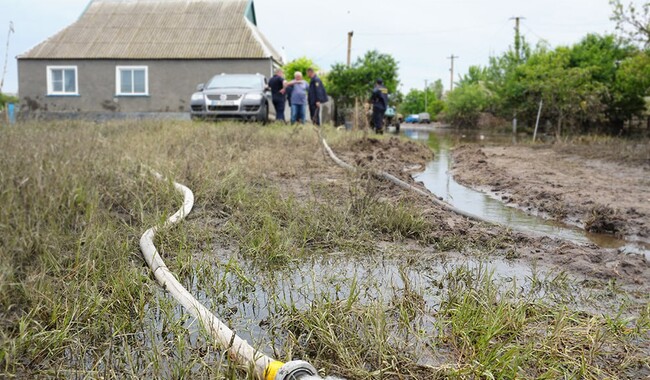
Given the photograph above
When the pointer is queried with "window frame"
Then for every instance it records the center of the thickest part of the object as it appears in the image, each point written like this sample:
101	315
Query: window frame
118	80
50	84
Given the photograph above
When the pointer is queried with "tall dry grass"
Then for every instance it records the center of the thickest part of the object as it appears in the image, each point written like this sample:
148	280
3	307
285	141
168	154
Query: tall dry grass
303	259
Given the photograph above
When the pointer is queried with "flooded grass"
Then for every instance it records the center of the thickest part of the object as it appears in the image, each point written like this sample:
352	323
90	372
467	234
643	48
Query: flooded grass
302	259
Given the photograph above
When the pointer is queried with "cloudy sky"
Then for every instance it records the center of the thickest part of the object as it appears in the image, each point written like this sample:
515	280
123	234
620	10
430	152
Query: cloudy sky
420	34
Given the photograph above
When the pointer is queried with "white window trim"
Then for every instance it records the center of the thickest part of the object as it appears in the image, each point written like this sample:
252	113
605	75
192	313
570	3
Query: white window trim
118	80
50	89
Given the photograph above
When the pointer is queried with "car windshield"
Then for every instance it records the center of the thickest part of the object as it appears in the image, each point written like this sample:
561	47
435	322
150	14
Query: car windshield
235	81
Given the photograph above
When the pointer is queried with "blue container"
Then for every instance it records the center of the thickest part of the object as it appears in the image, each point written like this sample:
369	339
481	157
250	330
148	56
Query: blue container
11	113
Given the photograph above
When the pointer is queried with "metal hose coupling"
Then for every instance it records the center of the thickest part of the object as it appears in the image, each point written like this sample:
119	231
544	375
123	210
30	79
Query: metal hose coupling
294	370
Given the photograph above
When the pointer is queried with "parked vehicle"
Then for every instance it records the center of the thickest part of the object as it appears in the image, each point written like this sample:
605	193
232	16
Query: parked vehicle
412	118
424	118
232	96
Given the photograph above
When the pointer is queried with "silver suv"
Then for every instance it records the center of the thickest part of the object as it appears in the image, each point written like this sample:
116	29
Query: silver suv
232	96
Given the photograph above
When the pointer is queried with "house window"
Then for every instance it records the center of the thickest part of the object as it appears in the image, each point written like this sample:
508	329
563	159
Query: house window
132	80
62	80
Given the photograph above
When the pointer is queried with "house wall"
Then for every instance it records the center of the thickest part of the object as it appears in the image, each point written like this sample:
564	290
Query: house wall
171	83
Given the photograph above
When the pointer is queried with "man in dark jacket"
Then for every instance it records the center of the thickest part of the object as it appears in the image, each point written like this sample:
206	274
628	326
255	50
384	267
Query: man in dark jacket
316	95
379	100
276	84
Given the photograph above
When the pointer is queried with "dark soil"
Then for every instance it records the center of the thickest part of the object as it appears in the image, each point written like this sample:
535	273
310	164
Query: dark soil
474	167
605	196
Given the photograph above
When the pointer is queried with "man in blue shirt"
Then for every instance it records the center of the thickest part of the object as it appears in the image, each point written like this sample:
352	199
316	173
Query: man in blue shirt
298	98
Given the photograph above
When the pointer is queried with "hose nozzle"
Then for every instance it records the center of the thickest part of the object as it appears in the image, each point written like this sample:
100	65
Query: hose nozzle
299	370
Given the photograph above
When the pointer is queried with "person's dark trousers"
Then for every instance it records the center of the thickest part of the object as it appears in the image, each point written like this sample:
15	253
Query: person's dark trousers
279	109
314	112
377	119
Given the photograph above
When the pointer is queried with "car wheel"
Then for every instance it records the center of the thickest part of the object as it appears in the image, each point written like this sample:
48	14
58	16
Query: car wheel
264	112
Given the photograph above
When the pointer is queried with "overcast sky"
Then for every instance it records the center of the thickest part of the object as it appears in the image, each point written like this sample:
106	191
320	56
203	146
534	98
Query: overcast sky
420	34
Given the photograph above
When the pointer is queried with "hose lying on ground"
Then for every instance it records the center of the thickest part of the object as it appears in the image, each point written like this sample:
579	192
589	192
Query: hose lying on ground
400	183
239	350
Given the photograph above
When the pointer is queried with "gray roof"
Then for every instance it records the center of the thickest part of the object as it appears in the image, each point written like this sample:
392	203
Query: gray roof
160	29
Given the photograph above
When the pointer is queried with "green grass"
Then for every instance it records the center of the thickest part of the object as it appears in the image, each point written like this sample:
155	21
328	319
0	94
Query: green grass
305	260
479	329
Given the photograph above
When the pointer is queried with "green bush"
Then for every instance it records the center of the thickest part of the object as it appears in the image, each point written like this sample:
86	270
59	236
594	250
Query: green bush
465	104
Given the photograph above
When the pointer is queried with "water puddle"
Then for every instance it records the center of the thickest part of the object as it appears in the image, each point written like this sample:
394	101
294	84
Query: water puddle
248	299
437	179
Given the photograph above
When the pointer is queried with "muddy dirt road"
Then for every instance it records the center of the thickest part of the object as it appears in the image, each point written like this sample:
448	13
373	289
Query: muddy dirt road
560	176
602	195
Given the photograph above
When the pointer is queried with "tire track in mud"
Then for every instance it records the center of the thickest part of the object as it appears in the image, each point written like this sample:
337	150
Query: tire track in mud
588	260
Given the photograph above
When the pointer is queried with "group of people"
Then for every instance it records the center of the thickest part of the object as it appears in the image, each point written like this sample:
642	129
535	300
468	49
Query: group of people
300	94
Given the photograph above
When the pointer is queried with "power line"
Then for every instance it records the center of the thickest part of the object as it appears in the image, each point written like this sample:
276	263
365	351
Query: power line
326	54
422	32
533	33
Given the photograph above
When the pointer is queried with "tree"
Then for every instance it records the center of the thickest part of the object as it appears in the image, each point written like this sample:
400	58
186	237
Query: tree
347	83
502	79
571	96
6	99
633	23
465	104
437	88
475	75
631	86
300	64
414	101
610	62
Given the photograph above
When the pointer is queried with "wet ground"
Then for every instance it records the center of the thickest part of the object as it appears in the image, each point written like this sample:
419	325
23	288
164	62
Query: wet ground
544	260
256	301
497	206
558	246
279	238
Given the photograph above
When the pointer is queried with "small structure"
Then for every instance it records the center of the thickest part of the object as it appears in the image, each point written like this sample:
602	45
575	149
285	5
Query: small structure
125	57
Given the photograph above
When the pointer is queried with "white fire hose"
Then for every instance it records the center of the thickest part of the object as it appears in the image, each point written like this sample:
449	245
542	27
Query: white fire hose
239	350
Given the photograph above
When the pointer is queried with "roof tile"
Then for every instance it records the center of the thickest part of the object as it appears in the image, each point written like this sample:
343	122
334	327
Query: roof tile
158	29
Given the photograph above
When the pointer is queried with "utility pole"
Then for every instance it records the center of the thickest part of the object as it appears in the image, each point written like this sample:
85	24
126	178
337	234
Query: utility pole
425	94
518	58
350	34
451	81
517	36
4	70
356	100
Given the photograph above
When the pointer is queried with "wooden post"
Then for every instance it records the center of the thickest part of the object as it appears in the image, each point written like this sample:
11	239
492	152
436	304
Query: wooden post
356	100
539	113
350	34
356	113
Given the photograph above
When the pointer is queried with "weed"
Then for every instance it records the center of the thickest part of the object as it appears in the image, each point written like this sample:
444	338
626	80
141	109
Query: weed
298	256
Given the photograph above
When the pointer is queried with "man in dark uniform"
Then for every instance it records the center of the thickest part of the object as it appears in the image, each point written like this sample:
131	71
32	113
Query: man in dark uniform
379	100
316	95
276	84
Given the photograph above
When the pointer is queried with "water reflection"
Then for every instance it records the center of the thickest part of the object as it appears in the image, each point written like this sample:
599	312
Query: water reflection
438	180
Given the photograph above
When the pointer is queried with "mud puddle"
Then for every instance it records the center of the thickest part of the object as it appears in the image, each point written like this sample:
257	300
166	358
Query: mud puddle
438	179
250	301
